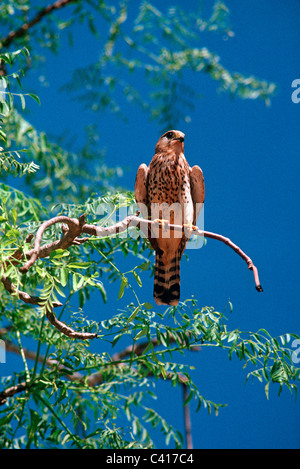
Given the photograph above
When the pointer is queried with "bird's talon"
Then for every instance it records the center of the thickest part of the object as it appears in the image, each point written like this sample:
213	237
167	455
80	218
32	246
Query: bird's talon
190	226
161	221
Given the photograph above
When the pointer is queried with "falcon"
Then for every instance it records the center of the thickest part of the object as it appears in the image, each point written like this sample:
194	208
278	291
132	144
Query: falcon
169	190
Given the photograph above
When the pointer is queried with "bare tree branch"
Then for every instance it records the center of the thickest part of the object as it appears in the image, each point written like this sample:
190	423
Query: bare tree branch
69	235
68	331
9	392
187	419
20	32
137	350
96	378
77	227
13	290
92	380
71	232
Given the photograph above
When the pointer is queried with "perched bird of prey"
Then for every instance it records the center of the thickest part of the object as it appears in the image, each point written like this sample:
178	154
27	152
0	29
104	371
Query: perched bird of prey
169	190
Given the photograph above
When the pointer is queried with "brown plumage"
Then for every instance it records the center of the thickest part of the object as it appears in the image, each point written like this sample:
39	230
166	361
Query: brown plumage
169	190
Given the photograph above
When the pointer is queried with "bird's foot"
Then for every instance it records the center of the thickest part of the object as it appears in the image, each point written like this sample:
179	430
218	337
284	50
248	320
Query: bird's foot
161	221
190	227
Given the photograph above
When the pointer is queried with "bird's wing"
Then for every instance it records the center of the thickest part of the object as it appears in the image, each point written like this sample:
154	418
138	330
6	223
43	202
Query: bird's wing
141	192
197	190
141	188
141	197
198	195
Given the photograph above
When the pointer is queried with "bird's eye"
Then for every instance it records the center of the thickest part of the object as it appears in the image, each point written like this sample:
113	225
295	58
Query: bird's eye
170	135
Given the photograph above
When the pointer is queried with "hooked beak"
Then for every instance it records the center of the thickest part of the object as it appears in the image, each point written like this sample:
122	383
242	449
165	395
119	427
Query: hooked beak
180	139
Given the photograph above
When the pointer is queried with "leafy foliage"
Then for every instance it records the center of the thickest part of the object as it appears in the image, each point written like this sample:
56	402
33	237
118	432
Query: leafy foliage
61	387
68	380
8	162
163	48
60	170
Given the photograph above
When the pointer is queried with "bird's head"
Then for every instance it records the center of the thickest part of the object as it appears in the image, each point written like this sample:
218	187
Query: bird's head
173	139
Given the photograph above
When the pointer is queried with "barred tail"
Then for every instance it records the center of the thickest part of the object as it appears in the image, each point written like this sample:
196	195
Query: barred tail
167	281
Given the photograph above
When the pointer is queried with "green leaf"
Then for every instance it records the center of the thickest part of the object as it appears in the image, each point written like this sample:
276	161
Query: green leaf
137	278
82	281
124	284
34	421
267	389
189	398
14	215
116	338
79	265
142	332
59	291
133	315
163	370
147	306
102	290
75	281
265	374
144	265
232	336
6	419
148	348
64	275
59	253
12	233
22	101
35	97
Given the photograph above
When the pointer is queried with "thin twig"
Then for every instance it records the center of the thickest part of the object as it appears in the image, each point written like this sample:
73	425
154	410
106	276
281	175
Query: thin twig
25	297
97	377
187	419
92	380
135	221
228	242
66	330
6	41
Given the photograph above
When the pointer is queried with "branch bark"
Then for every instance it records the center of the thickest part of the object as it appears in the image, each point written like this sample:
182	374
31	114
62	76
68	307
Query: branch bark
77	227
20	32
92	380
9	392
187	419
96	378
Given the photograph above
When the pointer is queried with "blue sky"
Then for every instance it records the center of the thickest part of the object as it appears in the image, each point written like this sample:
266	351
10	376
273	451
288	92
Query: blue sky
249	154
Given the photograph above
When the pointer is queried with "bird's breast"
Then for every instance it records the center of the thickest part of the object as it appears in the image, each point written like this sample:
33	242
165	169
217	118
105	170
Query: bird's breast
164	182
